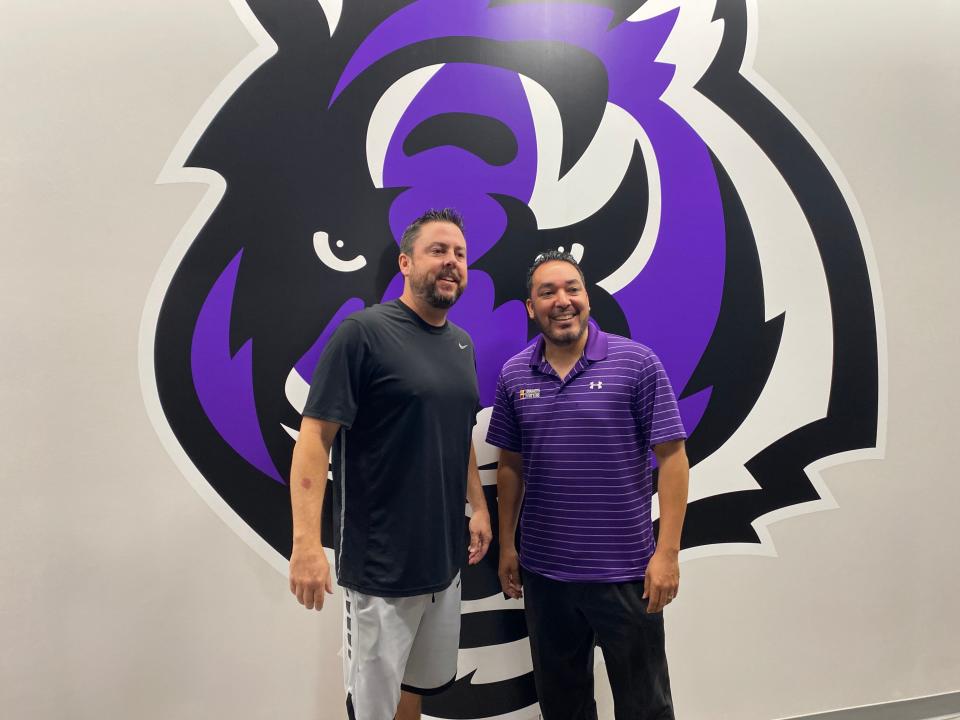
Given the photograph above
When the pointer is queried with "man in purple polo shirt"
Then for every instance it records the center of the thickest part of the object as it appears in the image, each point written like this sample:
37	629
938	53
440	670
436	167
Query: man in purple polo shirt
576	417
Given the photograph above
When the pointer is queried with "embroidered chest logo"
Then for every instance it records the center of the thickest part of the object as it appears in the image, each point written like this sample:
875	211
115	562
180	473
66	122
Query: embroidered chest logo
529	393
598	385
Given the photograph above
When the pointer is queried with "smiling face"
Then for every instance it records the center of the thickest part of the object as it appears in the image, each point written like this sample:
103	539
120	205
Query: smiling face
436	268
558	302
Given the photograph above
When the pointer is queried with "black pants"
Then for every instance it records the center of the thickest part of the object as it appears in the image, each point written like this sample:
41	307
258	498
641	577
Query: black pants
567	620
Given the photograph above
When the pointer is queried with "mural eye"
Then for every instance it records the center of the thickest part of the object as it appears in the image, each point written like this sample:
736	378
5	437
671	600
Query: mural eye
321	245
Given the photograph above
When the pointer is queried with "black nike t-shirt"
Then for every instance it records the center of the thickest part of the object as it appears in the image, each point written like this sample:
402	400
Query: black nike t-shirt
405	393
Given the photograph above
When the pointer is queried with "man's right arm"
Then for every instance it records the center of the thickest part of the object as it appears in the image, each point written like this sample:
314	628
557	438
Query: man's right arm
509	496
309	568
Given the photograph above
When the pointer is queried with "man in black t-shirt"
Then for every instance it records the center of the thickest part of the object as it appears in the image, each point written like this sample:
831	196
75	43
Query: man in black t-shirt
394	397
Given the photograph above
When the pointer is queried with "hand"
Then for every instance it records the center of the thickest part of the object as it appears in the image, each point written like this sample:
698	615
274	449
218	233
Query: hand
310	576
480	536
662	580
509	572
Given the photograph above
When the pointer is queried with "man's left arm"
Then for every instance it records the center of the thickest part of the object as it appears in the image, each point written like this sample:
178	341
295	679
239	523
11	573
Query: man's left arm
662	580
480	532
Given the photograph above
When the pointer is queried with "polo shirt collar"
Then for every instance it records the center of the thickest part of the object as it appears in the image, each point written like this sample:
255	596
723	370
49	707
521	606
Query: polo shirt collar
596	348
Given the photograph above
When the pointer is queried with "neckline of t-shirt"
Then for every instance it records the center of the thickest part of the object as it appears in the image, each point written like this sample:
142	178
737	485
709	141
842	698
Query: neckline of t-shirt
420	321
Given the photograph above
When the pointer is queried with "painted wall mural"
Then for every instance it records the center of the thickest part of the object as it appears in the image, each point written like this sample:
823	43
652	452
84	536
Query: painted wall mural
710	225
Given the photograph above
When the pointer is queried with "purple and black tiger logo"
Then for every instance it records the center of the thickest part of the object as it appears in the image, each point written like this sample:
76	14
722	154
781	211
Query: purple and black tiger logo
632	134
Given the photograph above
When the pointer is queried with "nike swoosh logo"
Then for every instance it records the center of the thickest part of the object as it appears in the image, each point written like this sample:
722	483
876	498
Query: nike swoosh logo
462	347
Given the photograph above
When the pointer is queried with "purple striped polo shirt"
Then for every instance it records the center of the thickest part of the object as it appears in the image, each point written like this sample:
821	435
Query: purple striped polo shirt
585	442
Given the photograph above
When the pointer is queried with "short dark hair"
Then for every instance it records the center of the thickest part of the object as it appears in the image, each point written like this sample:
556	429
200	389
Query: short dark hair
551	256
412	232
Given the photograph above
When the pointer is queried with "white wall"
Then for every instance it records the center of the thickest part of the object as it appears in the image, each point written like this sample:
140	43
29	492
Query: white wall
124	596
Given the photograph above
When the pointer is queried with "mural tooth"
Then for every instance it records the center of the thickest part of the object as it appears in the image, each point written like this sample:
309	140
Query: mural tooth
296	390
494	663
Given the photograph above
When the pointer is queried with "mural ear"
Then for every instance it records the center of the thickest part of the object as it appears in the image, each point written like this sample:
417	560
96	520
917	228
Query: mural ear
695	39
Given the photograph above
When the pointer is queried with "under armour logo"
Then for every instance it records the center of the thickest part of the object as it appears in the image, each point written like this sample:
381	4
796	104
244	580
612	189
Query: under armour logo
596	385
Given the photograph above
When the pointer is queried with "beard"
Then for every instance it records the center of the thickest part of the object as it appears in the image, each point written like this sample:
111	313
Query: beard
563	337
427	289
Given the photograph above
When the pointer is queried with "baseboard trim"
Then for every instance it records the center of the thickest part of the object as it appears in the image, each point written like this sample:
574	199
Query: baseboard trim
930	707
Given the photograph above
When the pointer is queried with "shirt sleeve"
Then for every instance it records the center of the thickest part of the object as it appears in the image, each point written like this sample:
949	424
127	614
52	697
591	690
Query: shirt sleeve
338	380
656	405
504	432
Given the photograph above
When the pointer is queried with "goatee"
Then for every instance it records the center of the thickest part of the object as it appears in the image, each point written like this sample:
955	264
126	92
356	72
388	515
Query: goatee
563	337
428	291
439	301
